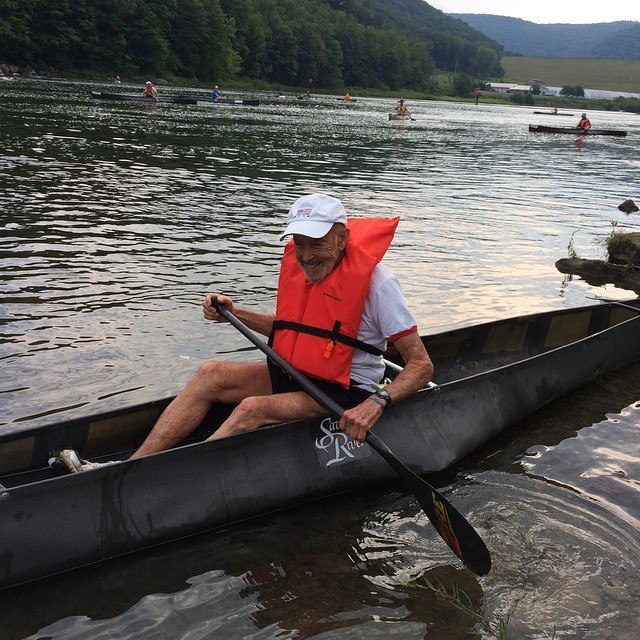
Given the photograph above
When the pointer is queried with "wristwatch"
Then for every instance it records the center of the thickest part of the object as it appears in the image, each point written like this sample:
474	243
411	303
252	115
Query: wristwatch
385	395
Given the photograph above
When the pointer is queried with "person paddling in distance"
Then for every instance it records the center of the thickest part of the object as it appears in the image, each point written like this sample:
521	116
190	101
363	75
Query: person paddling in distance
401	108
584	123
337	309
150	90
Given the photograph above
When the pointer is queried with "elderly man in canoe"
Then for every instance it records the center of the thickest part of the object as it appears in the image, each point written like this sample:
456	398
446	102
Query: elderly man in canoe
584	124
150	90
337	309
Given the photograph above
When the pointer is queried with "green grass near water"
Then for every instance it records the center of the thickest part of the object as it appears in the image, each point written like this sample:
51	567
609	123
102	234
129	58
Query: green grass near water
607	75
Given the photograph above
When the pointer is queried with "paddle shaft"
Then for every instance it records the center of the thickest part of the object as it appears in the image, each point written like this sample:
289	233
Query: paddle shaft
461	537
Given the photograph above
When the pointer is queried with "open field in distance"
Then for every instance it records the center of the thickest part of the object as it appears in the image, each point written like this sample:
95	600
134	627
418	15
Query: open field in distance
589	73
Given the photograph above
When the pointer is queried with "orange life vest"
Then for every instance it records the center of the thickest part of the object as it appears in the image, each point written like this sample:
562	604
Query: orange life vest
317	324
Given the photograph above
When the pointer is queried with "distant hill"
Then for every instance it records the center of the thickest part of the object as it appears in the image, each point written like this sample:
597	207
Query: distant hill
617	40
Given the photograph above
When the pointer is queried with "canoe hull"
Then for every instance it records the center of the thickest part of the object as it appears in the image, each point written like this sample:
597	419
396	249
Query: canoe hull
396	116
228	101
51	523
122	97
539	128
181	99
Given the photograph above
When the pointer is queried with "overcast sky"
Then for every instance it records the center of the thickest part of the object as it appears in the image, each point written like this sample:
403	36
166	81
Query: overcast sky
547	11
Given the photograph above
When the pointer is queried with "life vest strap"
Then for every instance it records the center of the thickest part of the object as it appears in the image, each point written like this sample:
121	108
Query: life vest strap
331	334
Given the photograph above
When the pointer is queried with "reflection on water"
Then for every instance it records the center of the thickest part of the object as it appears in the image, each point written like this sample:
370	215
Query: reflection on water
117	217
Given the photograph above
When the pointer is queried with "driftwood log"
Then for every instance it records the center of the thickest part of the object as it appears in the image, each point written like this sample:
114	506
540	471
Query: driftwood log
600	272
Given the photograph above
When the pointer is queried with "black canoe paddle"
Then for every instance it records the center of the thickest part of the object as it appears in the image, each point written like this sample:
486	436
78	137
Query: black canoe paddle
453	528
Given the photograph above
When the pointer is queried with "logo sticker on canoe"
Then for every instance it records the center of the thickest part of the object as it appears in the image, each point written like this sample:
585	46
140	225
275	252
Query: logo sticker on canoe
336	447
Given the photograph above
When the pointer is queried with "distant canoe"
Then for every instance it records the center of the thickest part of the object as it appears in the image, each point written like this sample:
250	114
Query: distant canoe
250	103
348	99
180	99
539	128
396	116
123	97
552	113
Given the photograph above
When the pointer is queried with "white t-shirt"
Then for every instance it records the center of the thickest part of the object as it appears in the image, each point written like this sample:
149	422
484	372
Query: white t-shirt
385	317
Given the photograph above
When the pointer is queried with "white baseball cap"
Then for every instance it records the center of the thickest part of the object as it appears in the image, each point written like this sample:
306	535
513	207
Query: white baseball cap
314	215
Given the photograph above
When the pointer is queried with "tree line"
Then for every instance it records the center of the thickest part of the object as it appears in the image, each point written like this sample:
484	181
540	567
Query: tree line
386	44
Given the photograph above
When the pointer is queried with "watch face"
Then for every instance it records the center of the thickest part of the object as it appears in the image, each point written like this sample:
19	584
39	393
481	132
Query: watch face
383	393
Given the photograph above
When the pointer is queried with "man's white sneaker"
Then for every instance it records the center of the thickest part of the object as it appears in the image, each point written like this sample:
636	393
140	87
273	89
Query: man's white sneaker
70	462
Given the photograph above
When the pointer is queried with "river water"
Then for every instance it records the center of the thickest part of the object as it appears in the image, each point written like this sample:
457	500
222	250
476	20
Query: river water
116	218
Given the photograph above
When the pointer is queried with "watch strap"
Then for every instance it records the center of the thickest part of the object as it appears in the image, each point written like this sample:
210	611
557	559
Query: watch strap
378	401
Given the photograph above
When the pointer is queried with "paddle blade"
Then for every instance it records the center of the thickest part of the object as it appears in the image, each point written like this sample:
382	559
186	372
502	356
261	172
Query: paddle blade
452	527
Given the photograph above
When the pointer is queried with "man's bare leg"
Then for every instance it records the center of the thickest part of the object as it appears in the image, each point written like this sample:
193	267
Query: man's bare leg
257	411
215	381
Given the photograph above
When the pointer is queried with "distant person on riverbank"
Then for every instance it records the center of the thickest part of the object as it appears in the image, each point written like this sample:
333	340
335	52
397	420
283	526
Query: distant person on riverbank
584	123
150	90
117	80
216	94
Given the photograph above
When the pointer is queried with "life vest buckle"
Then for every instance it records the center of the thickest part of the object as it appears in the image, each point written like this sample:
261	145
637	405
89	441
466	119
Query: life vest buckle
328	350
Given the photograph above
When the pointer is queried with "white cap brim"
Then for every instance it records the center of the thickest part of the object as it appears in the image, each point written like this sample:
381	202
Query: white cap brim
309	228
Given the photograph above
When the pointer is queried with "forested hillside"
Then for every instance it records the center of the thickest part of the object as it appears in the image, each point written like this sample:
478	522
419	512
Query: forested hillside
389	44
618	40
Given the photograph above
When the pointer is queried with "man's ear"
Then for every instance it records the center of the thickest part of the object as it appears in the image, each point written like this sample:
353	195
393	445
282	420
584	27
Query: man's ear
344	238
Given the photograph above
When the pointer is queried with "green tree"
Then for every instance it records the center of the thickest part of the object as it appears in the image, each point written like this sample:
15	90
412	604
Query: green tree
483	62
200	41
461	85
15	38
569	90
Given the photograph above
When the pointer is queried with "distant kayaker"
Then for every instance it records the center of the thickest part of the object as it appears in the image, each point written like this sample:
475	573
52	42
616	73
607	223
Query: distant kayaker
401	108
330	269
347	96
216	94
117	80
584	123
150	90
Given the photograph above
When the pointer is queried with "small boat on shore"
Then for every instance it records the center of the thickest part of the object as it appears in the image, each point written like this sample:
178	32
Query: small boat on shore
489	376
539	128
552	113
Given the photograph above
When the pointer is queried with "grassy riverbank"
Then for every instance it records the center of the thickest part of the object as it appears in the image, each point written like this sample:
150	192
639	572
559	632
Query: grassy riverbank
606	75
